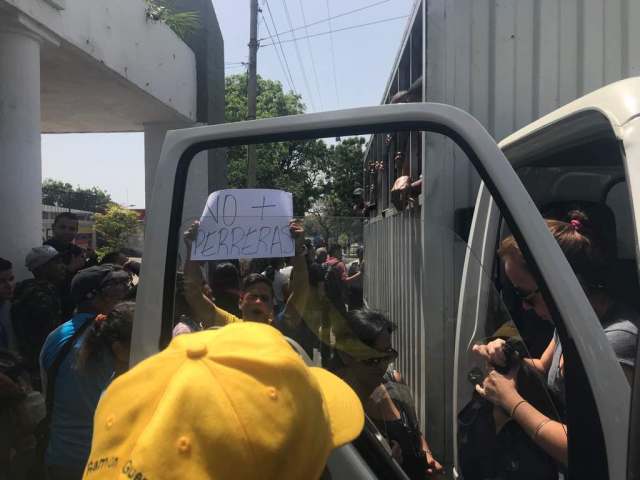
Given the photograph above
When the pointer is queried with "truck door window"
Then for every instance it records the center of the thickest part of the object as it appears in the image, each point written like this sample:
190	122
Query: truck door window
590	178
363	352
562	183
491	443
314	297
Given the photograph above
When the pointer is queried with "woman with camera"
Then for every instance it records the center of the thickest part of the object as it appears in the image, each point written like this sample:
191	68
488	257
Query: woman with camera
583	251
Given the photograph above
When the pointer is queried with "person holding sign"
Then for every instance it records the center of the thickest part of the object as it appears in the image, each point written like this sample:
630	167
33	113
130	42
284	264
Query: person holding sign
245	223
257	296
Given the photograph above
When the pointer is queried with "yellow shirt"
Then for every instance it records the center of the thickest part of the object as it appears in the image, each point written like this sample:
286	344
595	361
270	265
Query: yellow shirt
225	318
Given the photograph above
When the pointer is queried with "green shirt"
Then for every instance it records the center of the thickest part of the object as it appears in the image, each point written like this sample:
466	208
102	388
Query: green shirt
35	312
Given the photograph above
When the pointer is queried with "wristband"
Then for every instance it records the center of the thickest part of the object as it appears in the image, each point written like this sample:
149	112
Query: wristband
539	427
513	410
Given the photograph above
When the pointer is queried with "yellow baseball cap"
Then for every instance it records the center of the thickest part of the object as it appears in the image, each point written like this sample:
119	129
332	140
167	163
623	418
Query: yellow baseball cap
233	403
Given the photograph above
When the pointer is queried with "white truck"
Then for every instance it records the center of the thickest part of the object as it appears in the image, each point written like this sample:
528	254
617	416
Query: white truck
585	153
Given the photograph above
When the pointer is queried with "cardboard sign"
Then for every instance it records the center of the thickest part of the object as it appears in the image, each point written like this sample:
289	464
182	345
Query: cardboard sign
245	223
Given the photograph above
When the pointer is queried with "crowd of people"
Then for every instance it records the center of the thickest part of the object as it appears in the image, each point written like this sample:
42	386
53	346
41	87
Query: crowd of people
64	335
315	299
70	406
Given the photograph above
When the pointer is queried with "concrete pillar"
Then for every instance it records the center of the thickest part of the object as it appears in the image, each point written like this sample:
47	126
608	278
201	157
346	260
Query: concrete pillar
20	156
197	179
153	139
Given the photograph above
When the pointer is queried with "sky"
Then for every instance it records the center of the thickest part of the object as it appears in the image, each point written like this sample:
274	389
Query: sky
349	68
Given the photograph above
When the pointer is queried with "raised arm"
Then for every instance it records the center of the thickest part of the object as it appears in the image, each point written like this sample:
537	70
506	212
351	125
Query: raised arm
299	286
202	307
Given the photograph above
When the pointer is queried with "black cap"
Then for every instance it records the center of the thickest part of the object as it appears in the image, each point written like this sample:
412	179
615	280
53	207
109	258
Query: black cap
87	282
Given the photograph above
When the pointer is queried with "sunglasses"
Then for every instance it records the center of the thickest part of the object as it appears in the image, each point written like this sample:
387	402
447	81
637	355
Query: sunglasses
526	296
390	356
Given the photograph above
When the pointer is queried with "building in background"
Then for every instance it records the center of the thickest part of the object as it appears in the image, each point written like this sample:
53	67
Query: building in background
76	66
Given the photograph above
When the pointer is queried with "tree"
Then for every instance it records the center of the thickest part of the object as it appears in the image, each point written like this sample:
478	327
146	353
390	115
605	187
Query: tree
343	170
55	192
166	11
291	166
114	227
271	100
332	213
321	178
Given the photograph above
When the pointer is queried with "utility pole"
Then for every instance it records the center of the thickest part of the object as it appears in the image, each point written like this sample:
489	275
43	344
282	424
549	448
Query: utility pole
252	89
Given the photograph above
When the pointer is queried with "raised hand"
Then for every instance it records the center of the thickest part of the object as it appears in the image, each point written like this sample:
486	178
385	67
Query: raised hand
190	234
297	233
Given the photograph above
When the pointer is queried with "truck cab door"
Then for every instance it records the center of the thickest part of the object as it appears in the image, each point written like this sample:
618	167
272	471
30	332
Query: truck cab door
585	153
572	312
630	132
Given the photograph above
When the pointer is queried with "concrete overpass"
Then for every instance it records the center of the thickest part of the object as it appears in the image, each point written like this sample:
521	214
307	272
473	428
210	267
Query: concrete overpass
96	66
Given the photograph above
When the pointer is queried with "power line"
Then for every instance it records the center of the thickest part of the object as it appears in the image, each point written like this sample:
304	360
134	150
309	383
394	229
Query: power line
284	57
333	57
334	17
295	44
328	32
313	62
264	20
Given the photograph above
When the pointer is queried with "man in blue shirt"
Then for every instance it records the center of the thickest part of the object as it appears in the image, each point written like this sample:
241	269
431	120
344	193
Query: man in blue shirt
97	290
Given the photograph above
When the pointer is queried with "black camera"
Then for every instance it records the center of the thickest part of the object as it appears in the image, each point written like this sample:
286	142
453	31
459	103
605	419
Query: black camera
514	350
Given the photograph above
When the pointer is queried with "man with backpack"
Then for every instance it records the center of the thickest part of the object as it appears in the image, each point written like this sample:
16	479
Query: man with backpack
71	395
37	307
